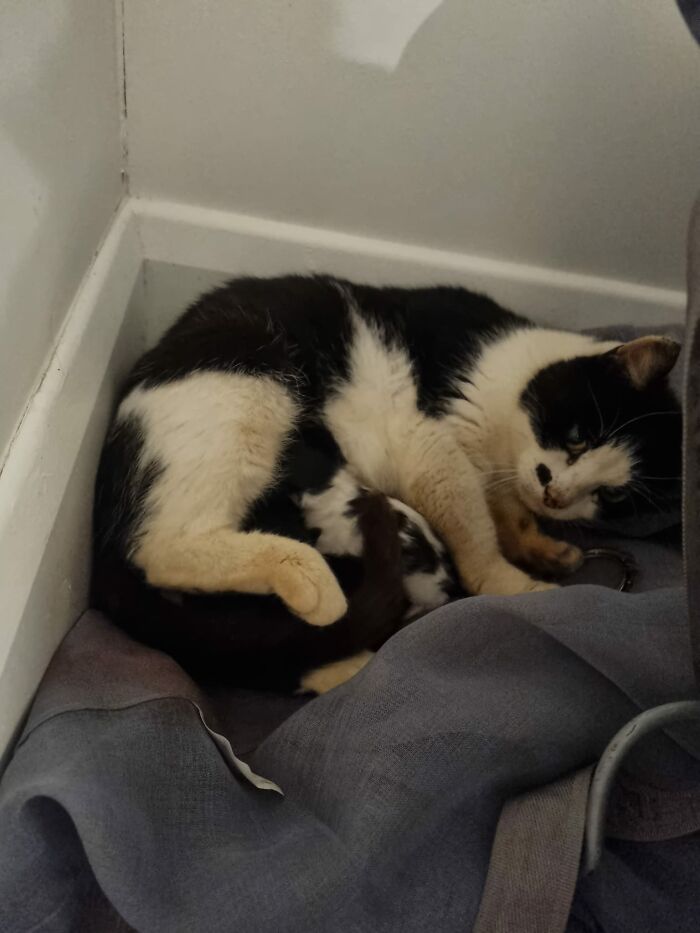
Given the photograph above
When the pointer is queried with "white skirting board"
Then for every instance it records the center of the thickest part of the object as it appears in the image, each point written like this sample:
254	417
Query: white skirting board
155	258
47	476
191	248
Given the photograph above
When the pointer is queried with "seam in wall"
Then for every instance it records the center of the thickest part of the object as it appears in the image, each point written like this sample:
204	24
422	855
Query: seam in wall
120	22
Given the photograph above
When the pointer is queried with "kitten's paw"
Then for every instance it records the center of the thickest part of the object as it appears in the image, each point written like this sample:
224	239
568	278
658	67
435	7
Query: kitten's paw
332	675
539	586
305	582
504	579
555	558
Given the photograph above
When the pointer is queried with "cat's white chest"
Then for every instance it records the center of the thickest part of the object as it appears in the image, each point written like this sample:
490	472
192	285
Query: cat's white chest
374	412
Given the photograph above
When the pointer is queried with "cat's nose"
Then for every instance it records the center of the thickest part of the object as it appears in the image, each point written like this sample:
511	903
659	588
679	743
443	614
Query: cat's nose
544	474
551	501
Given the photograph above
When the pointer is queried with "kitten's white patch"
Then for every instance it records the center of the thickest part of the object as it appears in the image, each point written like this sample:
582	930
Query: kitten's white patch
328	509
425	590
420	523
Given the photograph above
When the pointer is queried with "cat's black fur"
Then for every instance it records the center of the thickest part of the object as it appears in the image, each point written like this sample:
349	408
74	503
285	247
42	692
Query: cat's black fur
297	329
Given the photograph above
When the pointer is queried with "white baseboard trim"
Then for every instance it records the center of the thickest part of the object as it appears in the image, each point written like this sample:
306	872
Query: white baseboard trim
234	244
46	479
47	476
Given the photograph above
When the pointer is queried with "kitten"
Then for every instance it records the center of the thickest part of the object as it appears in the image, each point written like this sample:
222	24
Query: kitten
391	567
437	397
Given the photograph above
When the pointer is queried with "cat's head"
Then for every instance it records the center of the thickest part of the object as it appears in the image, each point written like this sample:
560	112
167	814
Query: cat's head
604	436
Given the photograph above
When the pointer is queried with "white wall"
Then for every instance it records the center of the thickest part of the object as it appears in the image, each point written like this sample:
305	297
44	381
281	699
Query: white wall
564	134
60	174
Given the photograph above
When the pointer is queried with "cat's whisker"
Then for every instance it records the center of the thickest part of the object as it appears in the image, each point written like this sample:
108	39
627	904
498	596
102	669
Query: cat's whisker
498	477
649	414
634	506
651	492
613	425
497	484
651	502
639	488
600	413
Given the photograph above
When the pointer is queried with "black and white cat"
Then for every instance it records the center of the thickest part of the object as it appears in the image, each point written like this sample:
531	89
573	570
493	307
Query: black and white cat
437	397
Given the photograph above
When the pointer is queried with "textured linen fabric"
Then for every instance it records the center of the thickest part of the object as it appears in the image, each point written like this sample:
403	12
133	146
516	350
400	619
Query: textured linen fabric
119	802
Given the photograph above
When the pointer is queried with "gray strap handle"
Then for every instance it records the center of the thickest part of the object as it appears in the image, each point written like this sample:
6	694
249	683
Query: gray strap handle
691	441
670	713
609	765
535	859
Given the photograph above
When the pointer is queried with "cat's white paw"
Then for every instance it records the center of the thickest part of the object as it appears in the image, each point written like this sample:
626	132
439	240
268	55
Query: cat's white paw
569	557
504	579
553	557
305	582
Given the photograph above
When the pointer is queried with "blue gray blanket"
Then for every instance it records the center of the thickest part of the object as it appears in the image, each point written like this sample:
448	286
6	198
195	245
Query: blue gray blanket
691	11
120	810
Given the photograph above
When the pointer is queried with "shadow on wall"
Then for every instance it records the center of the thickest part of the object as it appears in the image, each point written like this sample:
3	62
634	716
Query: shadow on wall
547	134
397	38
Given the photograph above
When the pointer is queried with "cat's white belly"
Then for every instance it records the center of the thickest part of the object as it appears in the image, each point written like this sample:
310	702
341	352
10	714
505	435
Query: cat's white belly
217	439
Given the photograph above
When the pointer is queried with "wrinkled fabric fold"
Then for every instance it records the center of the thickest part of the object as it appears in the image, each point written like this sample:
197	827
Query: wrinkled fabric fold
394	783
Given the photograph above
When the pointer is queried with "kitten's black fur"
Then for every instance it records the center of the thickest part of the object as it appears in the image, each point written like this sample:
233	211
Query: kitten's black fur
254	641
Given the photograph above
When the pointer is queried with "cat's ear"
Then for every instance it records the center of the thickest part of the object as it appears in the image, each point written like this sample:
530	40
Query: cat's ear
647	359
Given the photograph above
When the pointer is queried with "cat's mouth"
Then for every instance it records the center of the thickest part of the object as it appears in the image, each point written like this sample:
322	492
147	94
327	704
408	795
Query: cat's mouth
540	502
550	503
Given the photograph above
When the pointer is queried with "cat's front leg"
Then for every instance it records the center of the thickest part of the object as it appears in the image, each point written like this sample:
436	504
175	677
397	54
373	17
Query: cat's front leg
441	483
221	560
523	542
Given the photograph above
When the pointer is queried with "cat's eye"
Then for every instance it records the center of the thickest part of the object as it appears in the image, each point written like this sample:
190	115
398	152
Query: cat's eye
575	443
612	494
